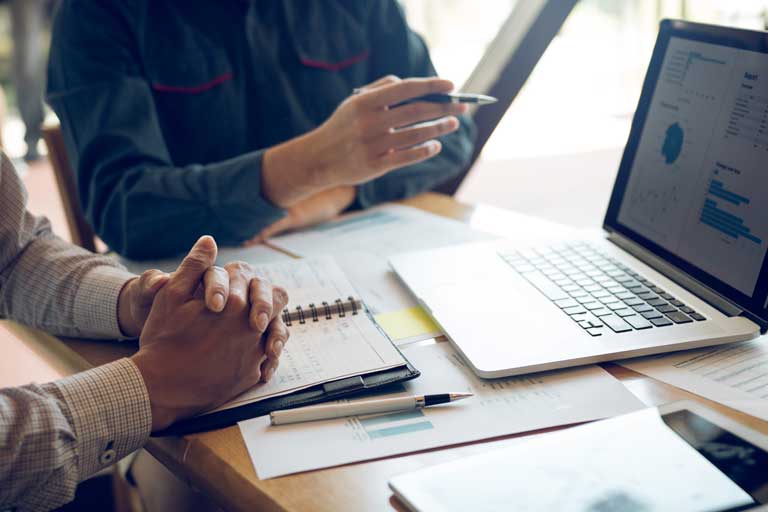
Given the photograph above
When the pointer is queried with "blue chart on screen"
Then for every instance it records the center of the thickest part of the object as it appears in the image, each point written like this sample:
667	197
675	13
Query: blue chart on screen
673	143
715	217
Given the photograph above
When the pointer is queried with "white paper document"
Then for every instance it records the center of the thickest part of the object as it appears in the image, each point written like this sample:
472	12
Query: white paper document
363	243
327	348
256	255
630	463
499	407
735	375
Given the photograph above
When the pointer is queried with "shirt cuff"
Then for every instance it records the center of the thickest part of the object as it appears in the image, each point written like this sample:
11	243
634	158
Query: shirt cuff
96	301
110	410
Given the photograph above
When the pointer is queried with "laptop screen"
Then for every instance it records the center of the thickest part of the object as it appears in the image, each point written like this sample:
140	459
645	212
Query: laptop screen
693	182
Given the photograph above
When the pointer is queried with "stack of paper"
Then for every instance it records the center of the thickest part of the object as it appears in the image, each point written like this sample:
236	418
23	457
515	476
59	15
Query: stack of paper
255	255
499	407
363	243
631	463
734	375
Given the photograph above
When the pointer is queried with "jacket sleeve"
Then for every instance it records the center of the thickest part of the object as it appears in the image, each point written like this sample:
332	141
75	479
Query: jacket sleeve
56	435
398	50
48	283
139	202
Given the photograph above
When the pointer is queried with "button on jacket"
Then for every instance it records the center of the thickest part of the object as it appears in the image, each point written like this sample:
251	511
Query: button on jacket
168	105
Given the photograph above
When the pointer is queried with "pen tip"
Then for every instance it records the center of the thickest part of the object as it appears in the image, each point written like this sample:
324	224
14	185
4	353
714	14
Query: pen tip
460	396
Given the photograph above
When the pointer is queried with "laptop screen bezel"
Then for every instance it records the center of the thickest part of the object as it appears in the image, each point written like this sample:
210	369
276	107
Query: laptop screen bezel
755	306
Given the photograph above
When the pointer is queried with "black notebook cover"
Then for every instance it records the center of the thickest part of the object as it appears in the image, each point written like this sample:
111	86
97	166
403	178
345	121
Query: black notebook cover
332	390
308	314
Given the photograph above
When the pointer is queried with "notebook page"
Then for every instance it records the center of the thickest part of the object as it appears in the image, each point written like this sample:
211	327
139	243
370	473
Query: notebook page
323	350
309	280
364	241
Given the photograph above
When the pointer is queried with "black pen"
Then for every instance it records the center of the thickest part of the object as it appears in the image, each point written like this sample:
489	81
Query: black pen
452	97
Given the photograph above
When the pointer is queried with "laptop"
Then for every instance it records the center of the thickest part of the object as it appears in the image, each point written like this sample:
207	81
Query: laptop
681	260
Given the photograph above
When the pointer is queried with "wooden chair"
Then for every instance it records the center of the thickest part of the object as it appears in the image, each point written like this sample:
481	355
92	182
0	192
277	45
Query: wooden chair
82	233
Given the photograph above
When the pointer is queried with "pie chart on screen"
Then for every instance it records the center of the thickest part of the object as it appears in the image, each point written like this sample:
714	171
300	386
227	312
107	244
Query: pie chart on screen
673	143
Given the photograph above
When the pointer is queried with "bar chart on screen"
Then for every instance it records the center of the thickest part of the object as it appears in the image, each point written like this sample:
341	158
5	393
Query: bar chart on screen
730	229
719	219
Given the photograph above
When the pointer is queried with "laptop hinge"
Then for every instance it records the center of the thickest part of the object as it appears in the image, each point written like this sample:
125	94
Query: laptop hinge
696	287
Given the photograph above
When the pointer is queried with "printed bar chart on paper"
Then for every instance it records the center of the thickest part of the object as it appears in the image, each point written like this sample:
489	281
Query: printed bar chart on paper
498	407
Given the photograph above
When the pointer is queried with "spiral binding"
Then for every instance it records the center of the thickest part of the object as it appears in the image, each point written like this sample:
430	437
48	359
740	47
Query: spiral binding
311	313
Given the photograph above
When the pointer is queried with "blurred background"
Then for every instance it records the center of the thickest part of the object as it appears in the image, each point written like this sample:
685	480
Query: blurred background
566	129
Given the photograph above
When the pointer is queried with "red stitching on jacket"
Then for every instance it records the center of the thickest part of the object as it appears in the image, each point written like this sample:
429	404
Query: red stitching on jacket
335	66
195	89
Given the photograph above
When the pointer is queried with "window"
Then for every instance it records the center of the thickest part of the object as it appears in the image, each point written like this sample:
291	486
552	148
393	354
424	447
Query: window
570	122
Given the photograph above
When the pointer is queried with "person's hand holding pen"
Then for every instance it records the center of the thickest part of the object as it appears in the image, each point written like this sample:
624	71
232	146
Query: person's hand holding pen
366	137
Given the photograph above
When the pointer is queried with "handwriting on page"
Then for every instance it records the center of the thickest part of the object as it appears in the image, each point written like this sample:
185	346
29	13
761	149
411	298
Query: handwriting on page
327	350
308	280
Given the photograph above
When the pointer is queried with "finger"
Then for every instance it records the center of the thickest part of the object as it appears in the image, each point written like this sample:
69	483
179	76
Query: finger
403	157
151	282
261	304
277	337
252	377
392	94
240	274
280	226
418	134
413	113
385	80
190	273
216	283
268	369
256	240
279	300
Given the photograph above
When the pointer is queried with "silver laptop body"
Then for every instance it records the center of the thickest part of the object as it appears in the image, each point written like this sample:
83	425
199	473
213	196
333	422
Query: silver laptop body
681	263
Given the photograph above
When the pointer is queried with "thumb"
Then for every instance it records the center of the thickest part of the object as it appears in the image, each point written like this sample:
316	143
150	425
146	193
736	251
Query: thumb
150	283
278	227
185	280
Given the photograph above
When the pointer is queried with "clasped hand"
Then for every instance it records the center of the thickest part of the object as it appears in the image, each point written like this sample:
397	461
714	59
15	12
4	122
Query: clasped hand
207	334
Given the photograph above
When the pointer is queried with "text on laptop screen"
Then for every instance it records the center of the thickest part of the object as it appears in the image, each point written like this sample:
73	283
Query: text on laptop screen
699	180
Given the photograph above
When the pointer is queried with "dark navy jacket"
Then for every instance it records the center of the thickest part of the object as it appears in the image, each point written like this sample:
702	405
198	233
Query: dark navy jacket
168	105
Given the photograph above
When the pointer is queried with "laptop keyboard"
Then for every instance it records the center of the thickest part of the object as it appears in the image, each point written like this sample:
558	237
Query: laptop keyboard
598	292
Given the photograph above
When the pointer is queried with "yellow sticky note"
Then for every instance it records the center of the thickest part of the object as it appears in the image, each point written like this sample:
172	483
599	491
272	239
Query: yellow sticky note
408	324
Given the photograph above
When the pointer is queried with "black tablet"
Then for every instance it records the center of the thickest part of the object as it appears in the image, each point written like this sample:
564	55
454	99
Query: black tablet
739	453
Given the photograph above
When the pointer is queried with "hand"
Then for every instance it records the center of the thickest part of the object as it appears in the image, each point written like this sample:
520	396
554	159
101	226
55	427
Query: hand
363	139
315	209
138	294
193	359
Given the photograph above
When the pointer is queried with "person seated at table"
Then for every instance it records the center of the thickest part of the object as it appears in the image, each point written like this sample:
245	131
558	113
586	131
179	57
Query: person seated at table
239	119
53	436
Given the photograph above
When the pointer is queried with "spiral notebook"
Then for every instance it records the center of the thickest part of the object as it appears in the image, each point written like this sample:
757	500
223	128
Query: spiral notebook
335	347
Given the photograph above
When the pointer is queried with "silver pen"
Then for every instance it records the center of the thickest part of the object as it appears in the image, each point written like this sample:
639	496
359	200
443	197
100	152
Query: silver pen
451	97
362	407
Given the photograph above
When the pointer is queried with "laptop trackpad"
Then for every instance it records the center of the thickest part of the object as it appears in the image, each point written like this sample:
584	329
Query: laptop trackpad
501	323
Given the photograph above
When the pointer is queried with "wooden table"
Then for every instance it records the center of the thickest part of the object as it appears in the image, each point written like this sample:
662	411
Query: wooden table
217	462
